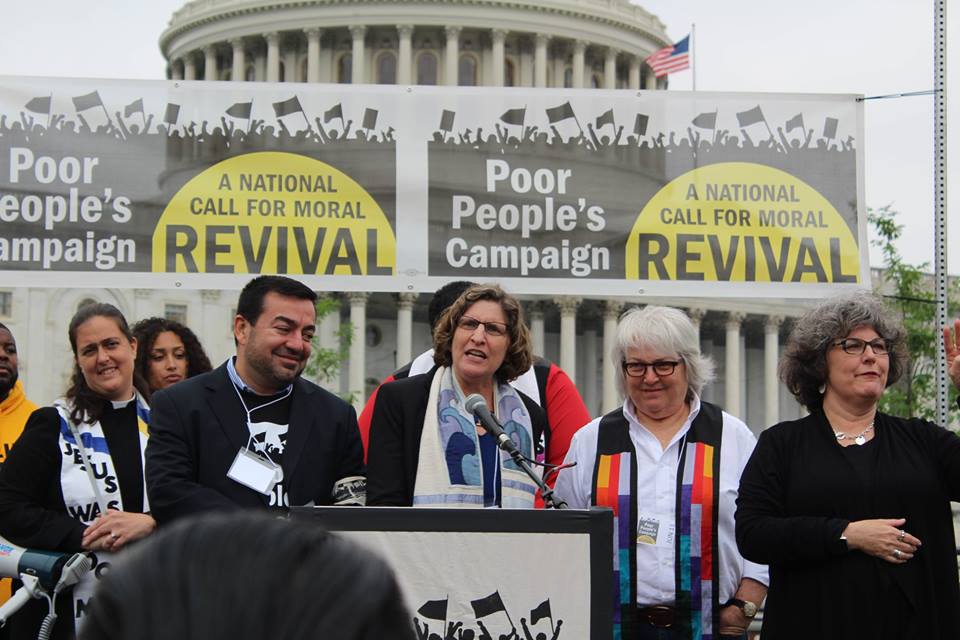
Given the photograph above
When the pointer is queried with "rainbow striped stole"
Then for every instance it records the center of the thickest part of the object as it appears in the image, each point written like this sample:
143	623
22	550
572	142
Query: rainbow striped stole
696	557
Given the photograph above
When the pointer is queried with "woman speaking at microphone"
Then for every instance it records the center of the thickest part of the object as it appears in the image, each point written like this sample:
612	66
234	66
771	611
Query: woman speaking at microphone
74	480
426	449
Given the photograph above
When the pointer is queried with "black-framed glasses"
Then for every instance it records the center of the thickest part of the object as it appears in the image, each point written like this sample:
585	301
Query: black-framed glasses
495	329
662	368
856	346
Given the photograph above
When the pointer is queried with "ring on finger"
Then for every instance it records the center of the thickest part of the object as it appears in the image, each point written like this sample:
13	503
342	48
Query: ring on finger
897	554
903	534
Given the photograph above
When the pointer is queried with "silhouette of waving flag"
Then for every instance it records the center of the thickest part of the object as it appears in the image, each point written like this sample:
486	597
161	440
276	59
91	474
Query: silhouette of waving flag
336	111
241	110
87	101
605	119
134	107
485	606
541	611
562	112
514	116
750	116
796	122
286	107
39	105
434	609
706	120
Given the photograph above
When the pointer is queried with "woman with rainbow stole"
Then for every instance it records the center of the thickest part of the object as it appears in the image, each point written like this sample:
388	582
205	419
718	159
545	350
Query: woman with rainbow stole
668	464
74	480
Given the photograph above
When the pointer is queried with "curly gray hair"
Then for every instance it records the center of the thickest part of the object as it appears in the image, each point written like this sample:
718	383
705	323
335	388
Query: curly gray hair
665	330
803	365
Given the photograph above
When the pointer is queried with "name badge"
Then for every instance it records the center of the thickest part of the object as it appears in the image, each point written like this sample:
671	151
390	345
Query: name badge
255	472
656	529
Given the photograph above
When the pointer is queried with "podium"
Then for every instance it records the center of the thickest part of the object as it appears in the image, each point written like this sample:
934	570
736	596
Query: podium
483	573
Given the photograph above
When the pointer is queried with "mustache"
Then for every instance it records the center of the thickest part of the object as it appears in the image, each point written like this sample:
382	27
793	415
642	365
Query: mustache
291	353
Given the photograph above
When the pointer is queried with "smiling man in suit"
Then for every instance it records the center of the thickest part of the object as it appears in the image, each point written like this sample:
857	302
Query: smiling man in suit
253	433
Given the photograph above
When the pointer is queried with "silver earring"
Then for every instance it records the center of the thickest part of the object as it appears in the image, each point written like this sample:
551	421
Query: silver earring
822	388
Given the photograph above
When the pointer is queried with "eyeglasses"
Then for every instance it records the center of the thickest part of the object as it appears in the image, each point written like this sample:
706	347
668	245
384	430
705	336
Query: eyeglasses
495	329
662	368
856	346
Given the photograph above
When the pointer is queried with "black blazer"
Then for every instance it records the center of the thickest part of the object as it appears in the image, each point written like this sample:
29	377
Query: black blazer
395	431
197	427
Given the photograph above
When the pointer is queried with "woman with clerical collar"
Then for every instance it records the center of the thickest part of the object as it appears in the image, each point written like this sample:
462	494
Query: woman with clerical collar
668	464
74	480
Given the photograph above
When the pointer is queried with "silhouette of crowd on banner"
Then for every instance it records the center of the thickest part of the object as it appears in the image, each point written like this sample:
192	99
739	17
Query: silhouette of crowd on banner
541	625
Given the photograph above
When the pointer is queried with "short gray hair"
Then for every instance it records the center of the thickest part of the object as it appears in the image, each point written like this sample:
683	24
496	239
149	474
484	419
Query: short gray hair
803	365
666	330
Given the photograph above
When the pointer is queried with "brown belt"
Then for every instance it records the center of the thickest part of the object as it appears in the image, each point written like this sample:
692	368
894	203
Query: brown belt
660	616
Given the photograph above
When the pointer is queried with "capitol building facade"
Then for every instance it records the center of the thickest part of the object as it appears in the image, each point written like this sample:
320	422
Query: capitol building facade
543	43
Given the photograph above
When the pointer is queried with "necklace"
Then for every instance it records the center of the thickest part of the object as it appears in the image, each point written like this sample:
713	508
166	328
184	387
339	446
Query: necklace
858	439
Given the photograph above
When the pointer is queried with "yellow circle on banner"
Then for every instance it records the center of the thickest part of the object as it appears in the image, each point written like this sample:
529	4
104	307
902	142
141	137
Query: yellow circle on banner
274	212
741	222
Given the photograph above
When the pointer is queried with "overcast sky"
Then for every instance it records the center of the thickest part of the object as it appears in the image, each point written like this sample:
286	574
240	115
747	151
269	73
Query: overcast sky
870	47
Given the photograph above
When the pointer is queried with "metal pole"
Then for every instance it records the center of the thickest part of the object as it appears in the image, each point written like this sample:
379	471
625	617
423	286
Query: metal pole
940	195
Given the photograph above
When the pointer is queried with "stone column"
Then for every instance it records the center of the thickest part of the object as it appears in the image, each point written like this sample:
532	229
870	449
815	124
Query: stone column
589	384
215	315
452	55
579	60
330	339
536	328
611	314
405	302
696	317
732	357
176	70
634	76
610	69
405	54
568	334
313	54
189	67
273	56
358	348
541	40
358	32
771	355
142	303
651	82
499	37
239	60
210	63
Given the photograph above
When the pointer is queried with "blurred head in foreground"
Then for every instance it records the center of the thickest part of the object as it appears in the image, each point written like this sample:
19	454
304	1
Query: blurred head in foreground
245	576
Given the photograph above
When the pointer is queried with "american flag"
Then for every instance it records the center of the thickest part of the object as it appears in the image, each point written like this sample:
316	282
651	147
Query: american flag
670	59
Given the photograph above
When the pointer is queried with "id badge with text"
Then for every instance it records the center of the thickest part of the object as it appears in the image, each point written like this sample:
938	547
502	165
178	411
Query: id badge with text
255	472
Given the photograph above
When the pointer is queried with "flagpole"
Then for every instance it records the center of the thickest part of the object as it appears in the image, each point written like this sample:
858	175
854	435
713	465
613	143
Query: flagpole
693	51
50	111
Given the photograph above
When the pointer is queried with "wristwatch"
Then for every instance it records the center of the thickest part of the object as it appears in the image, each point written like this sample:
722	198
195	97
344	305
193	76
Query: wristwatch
749	608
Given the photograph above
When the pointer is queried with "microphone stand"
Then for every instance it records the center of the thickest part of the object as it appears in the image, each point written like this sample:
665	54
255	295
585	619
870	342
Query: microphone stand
549	500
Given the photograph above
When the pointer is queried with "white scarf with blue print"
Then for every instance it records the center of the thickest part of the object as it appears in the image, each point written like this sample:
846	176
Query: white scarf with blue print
449	469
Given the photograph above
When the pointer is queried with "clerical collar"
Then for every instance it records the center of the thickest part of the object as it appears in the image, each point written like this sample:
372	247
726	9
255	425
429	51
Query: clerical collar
120	404
243	386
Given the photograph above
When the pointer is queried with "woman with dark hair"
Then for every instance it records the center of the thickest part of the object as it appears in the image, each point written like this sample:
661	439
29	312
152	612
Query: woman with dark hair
425	447
168	352
247	576
849	506
74	480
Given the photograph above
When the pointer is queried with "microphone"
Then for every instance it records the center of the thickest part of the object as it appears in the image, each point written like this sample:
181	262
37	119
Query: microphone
46	566
476	405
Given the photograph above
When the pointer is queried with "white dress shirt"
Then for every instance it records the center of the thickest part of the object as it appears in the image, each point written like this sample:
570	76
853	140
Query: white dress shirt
657	486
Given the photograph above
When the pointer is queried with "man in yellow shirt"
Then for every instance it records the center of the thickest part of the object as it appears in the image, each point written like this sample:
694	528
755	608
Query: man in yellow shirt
14	410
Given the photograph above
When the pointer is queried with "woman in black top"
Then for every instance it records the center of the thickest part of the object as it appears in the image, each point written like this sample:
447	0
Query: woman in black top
74	480
850	507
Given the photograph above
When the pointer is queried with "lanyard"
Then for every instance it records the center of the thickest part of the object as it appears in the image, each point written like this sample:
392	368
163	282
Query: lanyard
248	411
